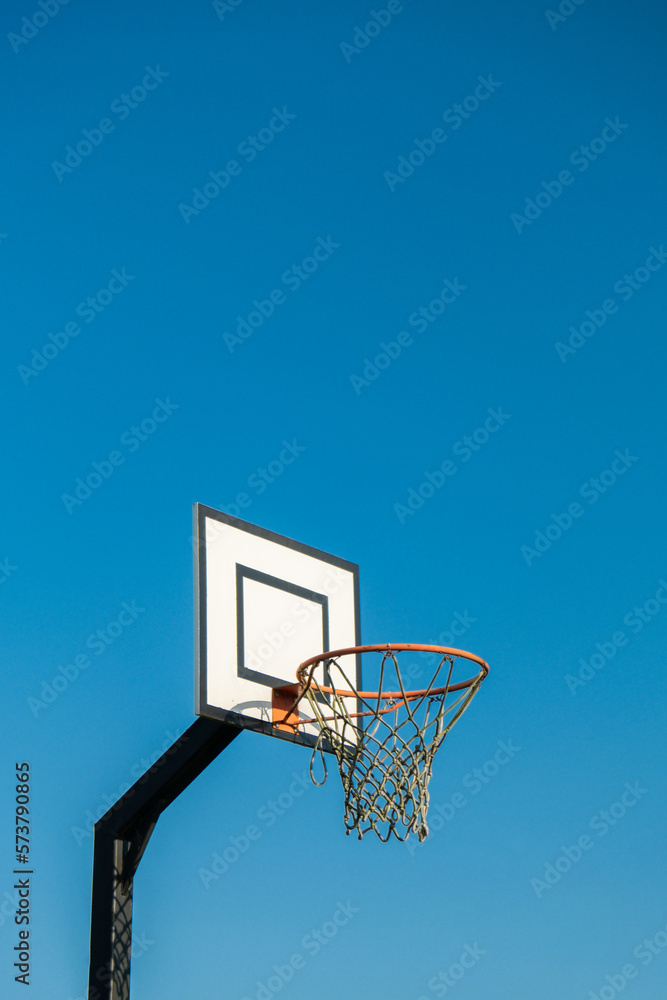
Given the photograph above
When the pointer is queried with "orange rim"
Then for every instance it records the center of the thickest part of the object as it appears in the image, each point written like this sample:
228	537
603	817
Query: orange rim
288	717
398	647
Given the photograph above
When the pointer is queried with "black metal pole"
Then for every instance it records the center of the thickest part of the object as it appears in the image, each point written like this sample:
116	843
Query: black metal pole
121	836
111	924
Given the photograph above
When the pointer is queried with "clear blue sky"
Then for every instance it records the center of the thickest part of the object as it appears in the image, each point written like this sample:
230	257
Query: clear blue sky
506	166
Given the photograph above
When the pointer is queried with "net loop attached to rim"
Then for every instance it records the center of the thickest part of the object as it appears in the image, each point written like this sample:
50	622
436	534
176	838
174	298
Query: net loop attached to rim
385	740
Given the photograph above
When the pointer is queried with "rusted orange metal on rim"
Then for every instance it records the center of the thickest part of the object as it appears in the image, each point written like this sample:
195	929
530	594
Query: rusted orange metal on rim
283	703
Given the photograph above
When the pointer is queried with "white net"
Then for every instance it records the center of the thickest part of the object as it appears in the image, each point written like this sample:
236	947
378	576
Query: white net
385	742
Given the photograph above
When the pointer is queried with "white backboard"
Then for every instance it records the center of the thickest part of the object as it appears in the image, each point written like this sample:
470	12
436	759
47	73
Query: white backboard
263	604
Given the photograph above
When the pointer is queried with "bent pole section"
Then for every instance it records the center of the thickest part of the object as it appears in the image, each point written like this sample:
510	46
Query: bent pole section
121	836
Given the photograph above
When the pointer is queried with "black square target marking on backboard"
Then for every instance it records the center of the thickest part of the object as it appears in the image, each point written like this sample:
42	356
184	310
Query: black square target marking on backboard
250	669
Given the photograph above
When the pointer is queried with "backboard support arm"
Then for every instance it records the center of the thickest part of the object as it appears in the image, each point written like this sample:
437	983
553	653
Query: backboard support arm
121	837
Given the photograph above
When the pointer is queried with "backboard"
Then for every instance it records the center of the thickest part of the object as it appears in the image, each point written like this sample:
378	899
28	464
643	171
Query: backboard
264	603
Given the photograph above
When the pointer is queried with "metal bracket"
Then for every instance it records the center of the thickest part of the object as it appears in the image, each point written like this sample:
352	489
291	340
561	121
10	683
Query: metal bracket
138	844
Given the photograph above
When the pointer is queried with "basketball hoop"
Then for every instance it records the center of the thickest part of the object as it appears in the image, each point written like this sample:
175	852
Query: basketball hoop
384	740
